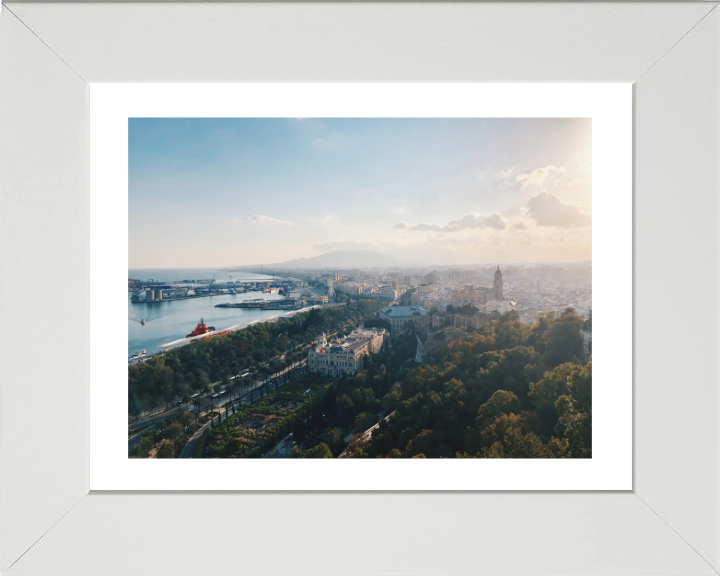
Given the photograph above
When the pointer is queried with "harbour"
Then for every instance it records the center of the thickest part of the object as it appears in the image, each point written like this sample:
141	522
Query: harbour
160	287
177	317
262	304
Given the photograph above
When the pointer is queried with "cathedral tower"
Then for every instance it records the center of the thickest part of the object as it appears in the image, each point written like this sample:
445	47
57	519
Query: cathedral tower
498	285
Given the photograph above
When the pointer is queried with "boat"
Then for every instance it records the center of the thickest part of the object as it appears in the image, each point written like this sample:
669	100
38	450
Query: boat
137	357
142	321
209	334
201	329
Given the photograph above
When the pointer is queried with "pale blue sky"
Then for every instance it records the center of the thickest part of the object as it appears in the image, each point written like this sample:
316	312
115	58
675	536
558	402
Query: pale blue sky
220	192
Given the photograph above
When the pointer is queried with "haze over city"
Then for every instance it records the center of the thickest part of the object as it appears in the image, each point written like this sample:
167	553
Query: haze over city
247	192
360	288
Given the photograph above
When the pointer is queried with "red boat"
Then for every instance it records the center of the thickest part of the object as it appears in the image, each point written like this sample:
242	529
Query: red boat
200	329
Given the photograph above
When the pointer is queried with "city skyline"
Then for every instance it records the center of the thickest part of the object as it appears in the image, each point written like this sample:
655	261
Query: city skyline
225	192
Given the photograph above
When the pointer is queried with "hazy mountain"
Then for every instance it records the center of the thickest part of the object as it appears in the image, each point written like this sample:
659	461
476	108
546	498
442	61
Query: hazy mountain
423	255
346	259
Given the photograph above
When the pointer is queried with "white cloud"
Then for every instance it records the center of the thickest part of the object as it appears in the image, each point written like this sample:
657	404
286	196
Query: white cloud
322	221
540	176
507	172
547	210
261	220
468	221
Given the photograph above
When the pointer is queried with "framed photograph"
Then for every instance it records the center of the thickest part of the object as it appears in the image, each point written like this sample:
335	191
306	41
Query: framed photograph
361	260
364	221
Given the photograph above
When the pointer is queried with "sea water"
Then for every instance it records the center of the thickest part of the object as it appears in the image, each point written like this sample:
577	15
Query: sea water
173	320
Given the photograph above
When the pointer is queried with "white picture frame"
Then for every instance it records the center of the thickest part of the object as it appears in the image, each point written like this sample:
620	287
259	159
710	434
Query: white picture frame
50	523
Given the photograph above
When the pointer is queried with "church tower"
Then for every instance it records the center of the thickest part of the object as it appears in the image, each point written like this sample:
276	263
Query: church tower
321	341
498	285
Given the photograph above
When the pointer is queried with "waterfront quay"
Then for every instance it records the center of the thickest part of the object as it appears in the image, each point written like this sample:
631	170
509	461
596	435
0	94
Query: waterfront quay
155	293
186	297
176	318
260	304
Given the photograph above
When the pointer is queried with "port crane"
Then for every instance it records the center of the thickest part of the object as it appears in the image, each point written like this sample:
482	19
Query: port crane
234	291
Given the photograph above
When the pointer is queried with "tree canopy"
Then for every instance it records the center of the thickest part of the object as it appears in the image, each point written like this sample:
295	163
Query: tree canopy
194	367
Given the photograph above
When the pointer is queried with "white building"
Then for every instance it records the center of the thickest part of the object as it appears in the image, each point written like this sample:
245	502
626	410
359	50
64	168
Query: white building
391	293
471	297
344	356
398	316
501	306
425	289
345	288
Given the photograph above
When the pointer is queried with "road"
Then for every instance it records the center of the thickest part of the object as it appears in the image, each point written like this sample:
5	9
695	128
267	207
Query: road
142	422
420	351
282	448
218	403
135	440
188	450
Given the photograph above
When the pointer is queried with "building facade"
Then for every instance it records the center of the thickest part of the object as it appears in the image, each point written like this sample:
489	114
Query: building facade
398	316
500	306
346	288
344	356
474	322
425	289
314	300
432	278
391	293
476	297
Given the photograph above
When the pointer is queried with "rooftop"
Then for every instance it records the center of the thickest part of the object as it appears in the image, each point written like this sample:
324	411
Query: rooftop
403	311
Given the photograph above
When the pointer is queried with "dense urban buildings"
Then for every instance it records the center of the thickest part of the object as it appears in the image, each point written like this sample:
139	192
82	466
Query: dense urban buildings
530	290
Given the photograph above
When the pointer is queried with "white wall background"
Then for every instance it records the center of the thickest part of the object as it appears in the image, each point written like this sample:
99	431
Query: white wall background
670	526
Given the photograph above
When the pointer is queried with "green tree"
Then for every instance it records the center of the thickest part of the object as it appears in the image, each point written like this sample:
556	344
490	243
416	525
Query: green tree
575	412
363	421
507	437
142	450
174	431
333	439
165	450
547	390
322	450
501	402
564	340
